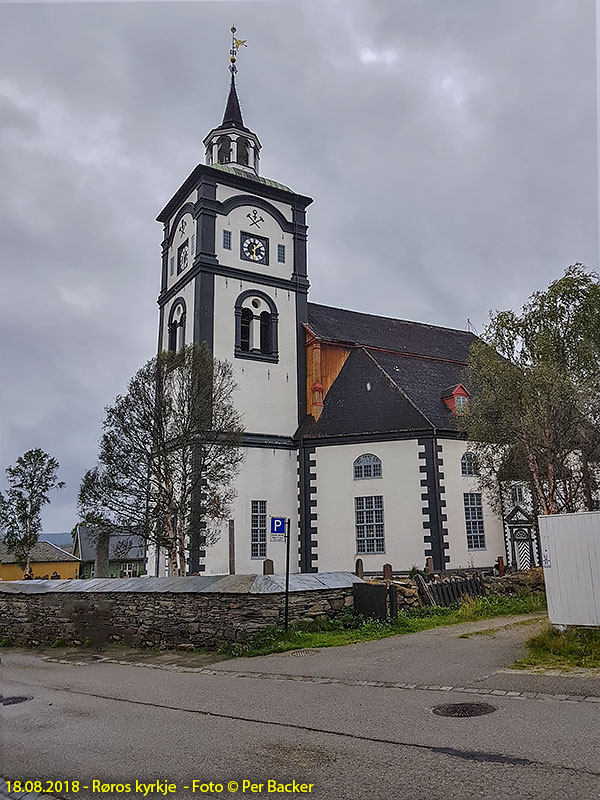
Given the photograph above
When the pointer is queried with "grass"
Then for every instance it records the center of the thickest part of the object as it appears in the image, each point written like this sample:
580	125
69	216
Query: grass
347	628
552	649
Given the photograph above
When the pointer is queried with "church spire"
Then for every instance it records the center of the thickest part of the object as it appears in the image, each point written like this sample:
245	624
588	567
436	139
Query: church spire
233	113
232	143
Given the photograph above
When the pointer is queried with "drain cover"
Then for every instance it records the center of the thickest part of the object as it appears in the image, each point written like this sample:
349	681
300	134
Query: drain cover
464	709
304	652
11	701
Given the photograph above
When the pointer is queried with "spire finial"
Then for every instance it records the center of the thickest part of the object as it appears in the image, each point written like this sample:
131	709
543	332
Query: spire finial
235	46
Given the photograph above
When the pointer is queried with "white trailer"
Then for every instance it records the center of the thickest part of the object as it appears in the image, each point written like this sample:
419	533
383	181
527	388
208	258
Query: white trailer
570	545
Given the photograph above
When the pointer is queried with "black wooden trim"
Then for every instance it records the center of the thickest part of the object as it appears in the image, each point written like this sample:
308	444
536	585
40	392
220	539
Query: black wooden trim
186	208
436	531
269	441
227	206
387	436
306	473
204	309
301	317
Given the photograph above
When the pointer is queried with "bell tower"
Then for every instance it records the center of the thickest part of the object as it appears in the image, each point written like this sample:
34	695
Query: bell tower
234	275
231	142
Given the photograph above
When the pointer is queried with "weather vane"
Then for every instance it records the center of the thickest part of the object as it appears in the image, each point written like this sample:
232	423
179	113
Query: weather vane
235	46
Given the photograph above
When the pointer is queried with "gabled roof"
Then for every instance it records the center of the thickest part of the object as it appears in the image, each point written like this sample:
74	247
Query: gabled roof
408	366
120	548
417	338
42	552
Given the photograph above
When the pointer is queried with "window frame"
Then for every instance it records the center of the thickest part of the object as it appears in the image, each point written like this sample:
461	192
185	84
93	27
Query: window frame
266	338
474	522
280	253
227	237
367	461
365	517
469	461
258	531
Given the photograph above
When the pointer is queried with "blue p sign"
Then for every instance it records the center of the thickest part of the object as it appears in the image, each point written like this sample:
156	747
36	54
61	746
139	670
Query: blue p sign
277	524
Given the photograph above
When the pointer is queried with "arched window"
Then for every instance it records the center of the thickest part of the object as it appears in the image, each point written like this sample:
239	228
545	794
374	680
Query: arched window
256	321
224	150
242	151
245	330
176	326
469	465
367	466
265	332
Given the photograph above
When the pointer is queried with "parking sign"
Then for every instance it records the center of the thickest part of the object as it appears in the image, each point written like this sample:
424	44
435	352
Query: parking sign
278	529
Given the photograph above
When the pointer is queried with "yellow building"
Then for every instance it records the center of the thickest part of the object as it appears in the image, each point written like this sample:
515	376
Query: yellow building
46	560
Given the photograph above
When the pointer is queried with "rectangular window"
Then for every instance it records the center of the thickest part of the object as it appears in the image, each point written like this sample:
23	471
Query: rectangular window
193	251
172	265
129	569
369	524
281	253
258	529
227	240
517	495
474	521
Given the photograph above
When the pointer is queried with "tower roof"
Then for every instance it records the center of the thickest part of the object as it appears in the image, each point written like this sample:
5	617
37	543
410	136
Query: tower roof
233	113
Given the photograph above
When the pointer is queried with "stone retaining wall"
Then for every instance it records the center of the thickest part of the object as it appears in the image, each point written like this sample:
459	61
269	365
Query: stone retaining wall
152	619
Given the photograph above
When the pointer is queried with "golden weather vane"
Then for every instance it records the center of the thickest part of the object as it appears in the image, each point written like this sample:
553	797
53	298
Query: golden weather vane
235	46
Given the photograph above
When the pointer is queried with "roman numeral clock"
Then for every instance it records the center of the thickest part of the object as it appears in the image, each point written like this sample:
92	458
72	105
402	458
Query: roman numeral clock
254	248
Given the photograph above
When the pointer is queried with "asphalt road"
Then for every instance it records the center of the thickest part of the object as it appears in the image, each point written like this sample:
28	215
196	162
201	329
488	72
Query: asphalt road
336	719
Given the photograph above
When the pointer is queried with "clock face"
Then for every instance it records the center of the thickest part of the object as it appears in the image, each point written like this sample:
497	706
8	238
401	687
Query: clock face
255	248
183	257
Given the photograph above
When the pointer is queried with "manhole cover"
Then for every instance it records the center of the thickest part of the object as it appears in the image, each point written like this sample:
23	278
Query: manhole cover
11	701
464	709
304	652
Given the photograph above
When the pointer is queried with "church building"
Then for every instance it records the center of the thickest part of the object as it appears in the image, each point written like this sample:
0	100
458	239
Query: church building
350	419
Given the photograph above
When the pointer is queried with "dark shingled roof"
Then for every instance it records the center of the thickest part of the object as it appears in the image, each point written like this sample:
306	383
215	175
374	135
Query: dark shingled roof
340	325
393	380
42	552
118	549
233	112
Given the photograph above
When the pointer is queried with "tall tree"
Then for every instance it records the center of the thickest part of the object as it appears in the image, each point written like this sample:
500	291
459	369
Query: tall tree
30	481
168	455
535	410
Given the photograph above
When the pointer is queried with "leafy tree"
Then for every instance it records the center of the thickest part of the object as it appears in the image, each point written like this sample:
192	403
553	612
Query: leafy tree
168	455
535	411
30	480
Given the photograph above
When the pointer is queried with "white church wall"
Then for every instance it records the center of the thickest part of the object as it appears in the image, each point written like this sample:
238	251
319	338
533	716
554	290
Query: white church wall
267	392
236	222
456	486
266	474
401	490
225	192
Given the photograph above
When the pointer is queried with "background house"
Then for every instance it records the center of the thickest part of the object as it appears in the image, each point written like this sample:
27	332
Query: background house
46	559
126	554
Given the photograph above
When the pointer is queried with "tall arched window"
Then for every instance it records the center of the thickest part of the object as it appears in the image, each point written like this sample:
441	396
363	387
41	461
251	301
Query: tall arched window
176	326
367	466
245	330
256	321
242	150
224	150
469	465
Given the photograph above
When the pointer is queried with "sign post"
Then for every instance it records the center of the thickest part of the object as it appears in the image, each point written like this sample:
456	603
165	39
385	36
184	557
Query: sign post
280	531
287	576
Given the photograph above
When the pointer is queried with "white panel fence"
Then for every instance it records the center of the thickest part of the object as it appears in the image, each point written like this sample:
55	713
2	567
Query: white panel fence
571	559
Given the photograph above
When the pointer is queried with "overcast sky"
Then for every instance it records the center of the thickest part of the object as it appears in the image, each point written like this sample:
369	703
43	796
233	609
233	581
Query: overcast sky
450	148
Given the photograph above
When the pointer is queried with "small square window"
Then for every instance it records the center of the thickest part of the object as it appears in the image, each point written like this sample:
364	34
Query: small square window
227	240
281	253
462	404
172	265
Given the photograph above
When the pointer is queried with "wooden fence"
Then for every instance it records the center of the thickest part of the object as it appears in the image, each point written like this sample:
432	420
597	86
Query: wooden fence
450	590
